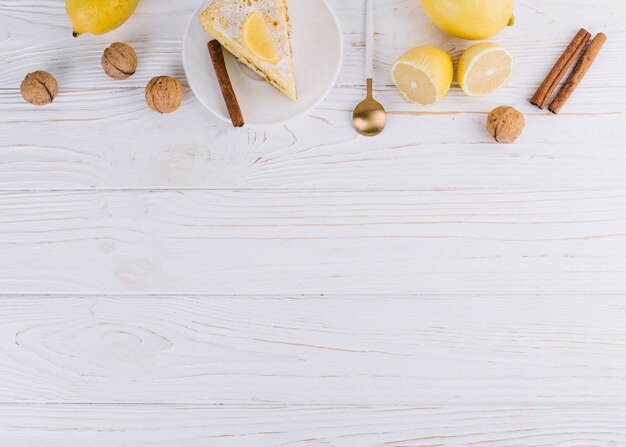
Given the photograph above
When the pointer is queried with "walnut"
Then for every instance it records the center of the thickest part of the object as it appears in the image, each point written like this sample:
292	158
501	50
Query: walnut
164	94
119	61
505	124
39	88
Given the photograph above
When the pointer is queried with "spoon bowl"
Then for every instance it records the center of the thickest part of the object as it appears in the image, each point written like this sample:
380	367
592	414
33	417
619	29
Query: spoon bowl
369	117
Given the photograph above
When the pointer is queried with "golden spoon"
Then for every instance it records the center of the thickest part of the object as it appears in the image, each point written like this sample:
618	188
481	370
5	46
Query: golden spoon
369	116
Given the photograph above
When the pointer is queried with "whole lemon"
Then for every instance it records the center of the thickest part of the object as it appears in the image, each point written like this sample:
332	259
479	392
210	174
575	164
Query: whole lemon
98	16
470	19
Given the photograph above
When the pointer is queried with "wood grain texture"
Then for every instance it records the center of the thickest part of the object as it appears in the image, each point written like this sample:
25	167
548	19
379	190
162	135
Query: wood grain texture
232	242
122	144
306	426
366	350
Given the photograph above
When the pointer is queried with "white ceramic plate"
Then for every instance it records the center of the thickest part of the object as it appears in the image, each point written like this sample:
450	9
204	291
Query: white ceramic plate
317	52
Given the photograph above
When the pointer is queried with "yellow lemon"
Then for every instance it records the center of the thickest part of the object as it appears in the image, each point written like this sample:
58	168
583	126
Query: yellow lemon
423	74
470	19
98	16
258	39
484	68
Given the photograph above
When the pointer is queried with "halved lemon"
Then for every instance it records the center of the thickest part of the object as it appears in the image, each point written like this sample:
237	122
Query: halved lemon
258	39
484	68
423	74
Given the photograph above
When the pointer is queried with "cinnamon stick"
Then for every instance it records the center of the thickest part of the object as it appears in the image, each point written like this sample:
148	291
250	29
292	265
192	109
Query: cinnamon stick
558	72
579	72
217	56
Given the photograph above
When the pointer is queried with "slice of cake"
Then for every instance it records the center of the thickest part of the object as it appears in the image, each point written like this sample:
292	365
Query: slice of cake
256	32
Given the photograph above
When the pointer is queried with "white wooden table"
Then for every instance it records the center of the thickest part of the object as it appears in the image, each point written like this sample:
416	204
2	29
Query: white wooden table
171	281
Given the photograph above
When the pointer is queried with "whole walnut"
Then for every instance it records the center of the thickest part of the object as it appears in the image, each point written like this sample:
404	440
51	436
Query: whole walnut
119	61
39	88
505	124
164	94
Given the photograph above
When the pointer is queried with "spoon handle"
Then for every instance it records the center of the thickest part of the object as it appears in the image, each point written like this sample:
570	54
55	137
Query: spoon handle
369	38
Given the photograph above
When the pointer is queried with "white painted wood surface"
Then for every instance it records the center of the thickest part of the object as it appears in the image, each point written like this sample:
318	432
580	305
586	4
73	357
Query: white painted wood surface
314	242
305	426
340	350
167	280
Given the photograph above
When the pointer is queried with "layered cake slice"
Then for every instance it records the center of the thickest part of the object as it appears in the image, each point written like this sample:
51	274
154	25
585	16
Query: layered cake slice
256	32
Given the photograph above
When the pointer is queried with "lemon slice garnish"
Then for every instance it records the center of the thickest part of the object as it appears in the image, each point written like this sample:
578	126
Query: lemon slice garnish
258	39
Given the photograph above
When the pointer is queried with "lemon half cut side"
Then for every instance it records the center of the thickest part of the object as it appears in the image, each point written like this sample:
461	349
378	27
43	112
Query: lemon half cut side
423	75
484	68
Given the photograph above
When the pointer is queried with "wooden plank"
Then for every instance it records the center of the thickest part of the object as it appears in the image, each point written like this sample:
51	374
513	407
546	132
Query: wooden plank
121	144
439	241
368	350
251	426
